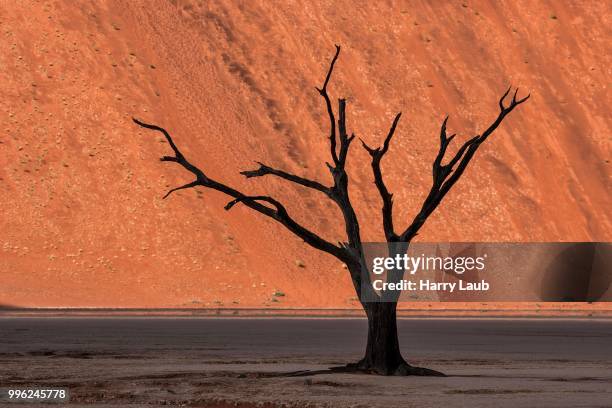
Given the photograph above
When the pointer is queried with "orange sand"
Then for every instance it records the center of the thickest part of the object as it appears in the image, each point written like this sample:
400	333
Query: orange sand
83	223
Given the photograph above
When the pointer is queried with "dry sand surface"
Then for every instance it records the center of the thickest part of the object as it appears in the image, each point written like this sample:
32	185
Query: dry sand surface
132	362
83	223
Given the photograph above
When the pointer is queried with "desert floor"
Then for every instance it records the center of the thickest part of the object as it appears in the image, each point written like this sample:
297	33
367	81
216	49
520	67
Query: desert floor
215	362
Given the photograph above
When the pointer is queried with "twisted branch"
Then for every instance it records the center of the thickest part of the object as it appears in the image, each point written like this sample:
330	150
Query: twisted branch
330	111
264	170
387	198
339	191
277	212
444	177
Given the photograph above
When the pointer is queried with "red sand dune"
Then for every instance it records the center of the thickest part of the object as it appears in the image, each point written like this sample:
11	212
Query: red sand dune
83	223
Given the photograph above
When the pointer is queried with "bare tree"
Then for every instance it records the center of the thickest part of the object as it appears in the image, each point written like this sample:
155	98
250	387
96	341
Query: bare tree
382	355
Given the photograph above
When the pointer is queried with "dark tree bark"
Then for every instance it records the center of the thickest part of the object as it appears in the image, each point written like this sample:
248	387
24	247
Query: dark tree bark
382	355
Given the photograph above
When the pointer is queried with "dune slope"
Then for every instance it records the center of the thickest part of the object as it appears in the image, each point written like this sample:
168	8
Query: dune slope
83	222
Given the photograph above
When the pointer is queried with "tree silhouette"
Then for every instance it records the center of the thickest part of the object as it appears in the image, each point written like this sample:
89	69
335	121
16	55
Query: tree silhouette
382	355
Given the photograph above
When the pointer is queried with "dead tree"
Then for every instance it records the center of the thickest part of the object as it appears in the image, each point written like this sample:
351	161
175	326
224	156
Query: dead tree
382	355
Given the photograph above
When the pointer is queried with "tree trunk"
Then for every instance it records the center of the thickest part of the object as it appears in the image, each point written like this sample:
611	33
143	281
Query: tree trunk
382	354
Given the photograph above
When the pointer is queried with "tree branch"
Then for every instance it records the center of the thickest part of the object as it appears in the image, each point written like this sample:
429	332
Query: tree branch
188	185
267	199
330	111
345	140
178	156
444	176
387	198
278	212
264	170
339	191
